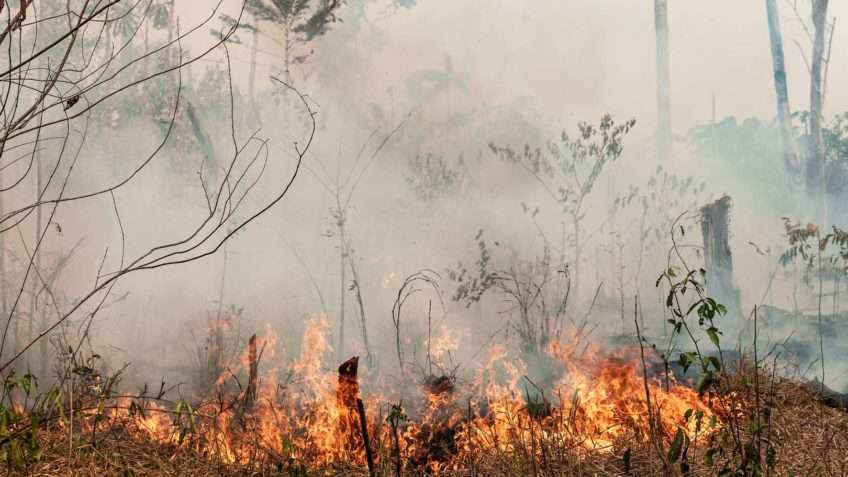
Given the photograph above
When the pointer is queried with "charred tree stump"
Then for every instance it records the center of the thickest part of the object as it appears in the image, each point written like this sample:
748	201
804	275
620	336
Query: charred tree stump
718	261
348	389
347	395
366	442
253	360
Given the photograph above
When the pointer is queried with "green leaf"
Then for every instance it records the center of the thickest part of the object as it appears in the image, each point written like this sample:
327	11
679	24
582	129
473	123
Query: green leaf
713	333
712	360
676	447
685	360
28	383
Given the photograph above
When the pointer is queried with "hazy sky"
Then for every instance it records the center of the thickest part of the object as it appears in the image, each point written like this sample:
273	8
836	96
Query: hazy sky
589	56
576	59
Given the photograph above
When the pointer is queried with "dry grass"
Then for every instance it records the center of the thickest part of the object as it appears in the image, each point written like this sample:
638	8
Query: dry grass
809	440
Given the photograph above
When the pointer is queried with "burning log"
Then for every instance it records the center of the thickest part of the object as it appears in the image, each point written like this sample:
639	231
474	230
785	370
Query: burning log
715	227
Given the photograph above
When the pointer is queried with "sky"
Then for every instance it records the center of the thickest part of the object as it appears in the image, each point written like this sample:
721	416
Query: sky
580	58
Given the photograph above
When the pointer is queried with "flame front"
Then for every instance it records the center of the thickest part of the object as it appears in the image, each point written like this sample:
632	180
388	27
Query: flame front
306	412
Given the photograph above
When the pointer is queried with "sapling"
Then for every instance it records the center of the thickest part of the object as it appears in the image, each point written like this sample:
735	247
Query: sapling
568	171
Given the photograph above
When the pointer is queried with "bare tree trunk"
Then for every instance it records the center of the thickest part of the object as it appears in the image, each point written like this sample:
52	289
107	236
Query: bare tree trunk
287	57
362	318
36	262
342	279
38	316
815	153
577	254
254	50
146	61
784	113
216	346
4	303
663	80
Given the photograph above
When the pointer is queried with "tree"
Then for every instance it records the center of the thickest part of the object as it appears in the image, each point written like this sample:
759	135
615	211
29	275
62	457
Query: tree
815	156
342	190
47	123
301	21
439	81
784	114
664	137
568	171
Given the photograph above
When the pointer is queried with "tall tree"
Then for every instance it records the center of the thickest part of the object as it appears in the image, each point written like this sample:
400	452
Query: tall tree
784	115
301	21
815	153
663	80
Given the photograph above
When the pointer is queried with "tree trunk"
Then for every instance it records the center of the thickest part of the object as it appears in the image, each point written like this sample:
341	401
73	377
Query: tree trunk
145	63
361	305
254	50
718	261
4	303
815	153
342	279
38	316
287	57
784	112
663	81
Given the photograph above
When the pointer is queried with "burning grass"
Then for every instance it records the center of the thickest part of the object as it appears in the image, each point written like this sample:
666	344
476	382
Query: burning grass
588	416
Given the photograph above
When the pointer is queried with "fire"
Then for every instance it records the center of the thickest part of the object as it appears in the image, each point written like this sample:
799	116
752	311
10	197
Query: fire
311	412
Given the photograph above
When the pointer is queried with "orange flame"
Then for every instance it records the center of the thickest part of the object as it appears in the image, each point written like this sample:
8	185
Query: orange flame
303	412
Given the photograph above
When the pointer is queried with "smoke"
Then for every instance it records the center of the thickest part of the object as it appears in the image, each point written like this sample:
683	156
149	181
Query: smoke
450	78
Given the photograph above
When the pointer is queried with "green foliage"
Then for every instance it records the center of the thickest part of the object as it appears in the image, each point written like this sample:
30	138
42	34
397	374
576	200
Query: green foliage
754	146
735	449
665	193
407	4
752	142
434	81
531	288
705	309
430	177
22	412
301	21
472	284
184	419
570	168
805	242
